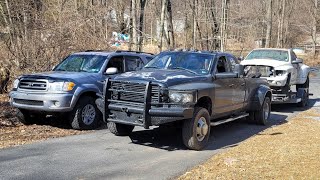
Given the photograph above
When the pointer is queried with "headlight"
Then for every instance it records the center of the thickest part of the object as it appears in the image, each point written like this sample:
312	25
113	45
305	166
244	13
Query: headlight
182	97
61	86
280	72
15	83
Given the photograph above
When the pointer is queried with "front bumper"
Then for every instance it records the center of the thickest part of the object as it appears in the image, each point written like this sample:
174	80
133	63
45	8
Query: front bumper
277	81
132	115
42	101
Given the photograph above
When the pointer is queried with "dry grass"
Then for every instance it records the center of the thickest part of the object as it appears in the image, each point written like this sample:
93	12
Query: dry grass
288	151
13	133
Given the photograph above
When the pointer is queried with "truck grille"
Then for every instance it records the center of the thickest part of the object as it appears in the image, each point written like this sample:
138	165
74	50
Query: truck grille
133	92
33	84
265	71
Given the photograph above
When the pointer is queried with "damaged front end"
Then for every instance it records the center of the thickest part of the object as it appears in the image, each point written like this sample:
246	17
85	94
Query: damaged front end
275	77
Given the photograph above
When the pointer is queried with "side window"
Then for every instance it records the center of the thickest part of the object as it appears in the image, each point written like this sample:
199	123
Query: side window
293	56
222	65
233	61
133	63
116	62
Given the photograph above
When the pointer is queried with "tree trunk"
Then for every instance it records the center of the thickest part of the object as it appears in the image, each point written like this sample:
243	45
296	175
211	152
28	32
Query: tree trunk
269	23
141	23
170	26
134	22
314	28
282	11
162	18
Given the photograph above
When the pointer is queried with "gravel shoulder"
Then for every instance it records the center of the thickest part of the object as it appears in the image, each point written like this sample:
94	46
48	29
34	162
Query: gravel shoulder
287	151
14	133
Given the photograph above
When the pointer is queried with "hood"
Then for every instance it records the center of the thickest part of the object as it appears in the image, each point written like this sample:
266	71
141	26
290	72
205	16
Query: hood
167	77
67	76
264	62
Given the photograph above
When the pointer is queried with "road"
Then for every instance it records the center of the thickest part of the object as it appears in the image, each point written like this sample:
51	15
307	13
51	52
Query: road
146	154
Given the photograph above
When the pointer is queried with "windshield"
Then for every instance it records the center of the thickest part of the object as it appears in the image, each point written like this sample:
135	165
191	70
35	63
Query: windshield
279	55
82	63
193	62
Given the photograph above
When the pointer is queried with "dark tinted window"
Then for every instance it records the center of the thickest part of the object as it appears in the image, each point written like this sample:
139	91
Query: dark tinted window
116	62
133	63
222	65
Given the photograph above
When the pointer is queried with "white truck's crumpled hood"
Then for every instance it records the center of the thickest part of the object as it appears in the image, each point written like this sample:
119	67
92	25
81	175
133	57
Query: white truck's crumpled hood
264	62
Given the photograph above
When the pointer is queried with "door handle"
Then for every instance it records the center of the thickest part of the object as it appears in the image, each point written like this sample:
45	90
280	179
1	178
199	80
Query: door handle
231	85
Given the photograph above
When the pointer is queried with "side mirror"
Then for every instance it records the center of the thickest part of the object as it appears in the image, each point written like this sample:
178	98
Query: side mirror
111	71
240	58
297	61
53	68
239	69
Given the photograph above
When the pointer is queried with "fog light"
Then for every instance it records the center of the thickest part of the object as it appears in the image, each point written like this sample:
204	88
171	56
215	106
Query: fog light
56	103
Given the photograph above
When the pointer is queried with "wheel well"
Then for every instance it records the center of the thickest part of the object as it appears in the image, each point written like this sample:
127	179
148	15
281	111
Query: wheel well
89	93
269	95
205	102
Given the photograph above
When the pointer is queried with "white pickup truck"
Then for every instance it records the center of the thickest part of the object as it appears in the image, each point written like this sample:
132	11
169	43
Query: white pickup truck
282	69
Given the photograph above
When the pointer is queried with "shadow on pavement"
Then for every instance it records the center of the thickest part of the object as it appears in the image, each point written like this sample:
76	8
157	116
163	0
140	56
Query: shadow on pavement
223	136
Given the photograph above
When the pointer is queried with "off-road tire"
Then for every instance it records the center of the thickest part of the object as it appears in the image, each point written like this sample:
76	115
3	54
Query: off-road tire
76	117
119	129
259	116
27	118
189	130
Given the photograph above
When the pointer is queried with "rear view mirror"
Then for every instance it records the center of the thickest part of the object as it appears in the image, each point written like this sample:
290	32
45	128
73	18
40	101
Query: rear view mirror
297	61
111	71
239	69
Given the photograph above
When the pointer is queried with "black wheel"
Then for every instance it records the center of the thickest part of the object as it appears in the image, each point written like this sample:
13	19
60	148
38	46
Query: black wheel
27	118
119	129
24	116
304	99
196	131
85	115
262	115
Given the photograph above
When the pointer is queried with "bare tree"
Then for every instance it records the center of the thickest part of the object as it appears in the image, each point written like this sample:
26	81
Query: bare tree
269	23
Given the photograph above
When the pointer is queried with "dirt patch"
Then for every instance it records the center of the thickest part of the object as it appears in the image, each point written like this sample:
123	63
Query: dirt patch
288	151
13	133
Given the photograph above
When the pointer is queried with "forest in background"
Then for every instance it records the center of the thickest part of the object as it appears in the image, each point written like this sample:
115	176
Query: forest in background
36	34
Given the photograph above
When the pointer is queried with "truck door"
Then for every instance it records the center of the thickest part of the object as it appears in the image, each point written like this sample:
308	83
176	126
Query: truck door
239	86
224	85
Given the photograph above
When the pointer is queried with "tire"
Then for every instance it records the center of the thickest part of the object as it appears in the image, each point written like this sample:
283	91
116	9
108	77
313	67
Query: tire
262	115
193	137
85	115
28	118
304	100
119	129
24	116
